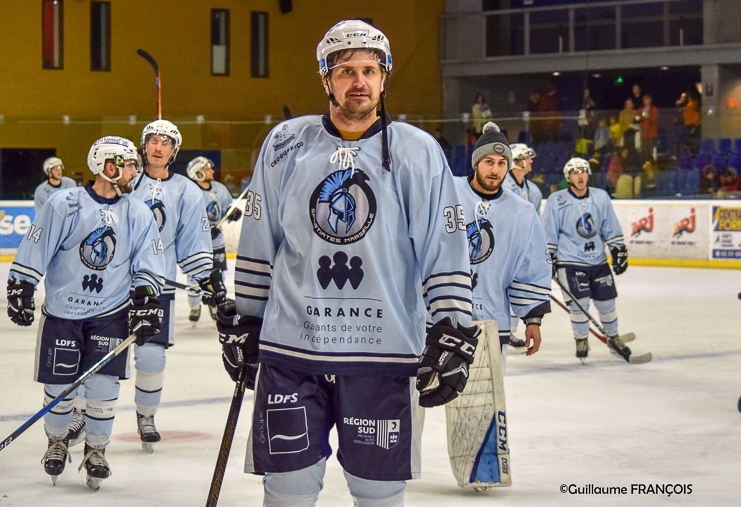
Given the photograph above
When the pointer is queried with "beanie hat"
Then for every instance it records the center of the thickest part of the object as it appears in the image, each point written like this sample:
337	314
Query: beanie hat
492	141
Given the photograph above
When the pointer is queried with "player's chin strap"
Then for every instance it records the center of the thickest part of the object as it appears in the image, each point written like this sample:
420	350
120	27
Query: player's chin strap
114	181
385	161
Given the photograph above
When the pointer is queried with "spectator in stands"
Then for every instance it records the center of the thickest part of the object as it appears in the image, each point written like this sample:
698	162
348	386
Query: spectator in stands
616	169
481	113
533	107
707	181
629	126
602	140
549	107
689	101
636	96
444	144
587	121
616	132
729	180
649	122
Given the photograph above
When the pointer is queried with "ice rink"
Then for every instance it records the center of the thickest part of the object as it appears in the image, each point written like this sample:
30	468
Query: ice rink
607	423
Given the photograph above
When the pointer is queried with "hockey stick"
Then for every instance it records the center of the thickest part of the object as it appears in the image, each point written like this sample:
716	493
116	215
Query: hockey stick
226	440
625	338
643	358
231	208
157	81
77	383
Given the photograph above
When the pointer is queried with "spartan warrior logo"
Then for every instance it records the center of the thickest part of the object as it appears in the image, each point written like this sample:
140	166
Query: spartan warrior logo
480	240
282	138
343	207
98	248
158	210
213	211
585	226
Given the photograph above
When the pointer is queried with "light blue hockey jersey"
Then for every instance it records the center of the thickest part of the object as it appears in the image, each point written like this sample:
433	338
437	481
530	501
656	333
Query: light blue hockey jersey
578	229
178	208
46	189
508	257
344	259
217	199
92	250
528	190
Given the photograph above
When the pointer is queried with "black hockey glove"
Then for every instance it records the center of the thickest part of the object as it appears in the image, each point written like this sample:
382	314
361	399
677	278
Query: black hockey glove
552	259
239	337
214	290
145	315
214	232
235	215
20	302
619	259
446	358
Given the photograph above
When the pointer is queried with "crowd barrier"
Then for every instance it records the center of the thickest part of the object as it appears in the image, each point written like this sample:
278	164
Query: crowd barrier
693	233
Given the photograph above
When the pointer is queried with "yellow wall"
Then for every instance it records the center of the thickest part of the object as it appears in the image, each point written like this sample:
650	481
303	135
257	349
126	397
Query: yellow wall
177	33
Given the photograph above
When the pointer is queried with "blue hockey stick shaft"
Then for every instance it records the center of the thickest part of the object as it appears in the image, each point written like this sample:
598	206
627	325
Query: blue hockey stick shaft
77	383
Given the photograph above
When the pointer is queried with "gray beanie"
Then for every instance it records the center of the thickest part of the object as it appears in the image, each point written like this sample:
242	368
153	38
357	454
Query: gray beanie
492	141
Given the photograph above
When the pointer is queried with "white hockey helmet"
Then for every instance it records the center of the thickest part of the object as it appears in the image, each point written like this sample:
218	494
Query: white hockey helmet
196	166
164	128
113	148
52	162
576	164
520	151
353	34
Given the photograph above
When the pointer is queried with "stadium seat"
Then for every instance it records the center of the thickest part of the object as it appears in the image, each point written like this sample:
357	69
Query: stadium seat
720	162
724	146
691	183
735	161
702	159
736	145
707	146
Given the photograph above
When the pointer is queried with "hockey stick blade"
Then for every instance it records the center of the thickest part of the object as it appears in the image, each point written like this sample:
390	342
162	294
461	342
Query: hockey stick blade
149	59
226	440
640	359
53	403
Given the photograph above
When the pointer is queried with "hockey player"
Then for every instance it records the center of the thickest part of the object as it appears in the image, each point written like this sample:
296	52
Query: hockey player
180	214
579	222
53	167
506	245
361	238
92	243
218	200
522	159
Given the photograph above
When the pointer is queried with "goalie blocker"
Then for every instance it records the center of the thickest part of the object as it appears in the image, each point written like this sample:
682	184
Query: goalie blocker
478	444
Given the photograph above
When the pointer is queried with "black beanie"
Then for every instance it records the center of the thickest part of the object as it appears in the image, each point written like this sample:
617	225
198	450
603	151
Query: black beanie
491	141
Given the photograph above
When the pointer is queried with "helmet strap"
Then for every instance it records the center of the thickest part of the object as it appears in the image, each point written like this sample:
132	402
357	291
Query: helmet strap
114	181
385	161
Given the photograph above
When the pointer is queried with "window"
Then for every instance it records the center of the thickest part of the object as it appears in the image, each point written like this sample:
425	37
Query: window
100	36
52	34
259	45
219	42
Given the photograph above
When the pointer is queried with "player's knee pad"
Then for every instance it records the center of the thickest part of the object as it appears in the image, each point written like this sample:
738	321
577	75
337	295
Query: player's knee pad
298	488
577	316
59	417
149	358
607	311
367	493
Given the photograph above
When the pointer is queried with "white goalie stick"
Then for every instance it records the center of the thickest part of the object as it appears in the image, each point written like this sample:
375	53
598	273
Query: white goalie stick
633	358
231	208
478	443
157	81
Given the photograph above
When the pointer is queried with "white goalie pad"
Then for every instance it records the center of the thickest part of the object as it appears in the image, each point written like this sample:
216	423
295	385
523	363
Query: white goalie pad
477	420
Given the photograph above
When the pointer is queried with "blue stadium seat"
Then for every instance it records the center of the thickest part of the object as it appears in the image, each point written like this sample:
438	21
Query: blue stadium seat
691	184
685	162
735	161
736	145
702	159
707	146
724	146
720	162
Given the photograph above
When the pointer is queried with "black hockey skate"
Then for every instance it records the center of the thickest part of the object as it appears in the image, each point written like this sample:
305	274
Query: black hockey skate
147	432
618	348
195	313
582	349
739	404
96	467
56	458
516	345
76	432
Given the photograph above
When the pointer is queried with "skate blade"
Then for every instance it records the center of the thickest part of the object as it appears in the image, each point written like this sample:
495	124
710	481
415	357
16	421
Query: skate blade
640	359
74	442
148	446
627	337
583	360
54	479
516	350
93	483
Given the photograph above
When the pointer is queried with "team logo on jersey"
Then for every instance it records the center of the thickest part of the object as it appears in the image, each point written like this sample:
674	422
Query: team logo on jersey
158	210
92	283
585	226
98	248
213	211
480	240
340	273
282	138
343	207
